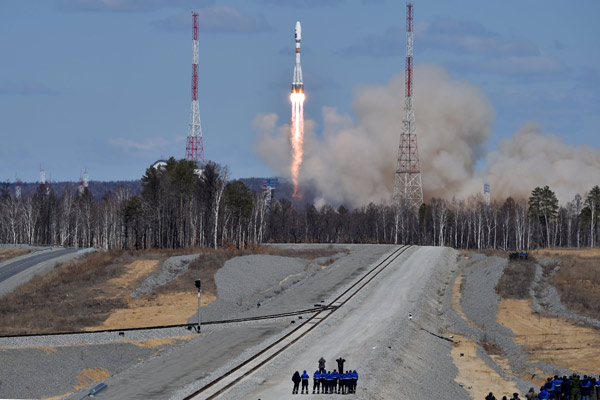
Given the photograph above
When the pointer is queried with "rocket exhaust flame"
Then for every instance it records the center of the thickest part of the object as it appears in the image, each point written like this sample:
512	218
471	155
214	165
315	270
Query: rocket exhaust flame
297	137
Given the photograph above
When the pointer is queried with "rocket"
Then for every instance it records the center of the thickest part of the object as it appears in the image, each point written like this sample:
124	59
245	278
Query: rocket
297	84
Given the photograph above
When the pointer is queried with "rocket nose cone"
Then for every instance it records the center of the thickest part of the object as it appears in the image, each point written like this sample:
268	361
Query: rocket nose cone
298	31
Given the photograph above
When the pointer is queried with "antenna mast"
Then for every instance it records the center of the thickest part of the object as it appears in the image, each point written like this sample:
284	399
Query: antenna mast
408	190
194	149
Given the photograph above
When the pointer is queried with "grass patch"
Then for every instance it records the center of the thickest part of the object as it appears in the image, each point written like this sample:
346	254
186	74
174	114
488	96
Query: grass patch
578	283
77	295
516	279
12	252
490	347
62	300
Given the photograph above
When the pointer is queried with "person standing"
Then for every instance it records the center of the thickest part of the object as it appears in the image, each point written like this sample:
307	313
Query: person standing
304	382
557	387
340	363
322	365
354	380
316	381
328	382
343	382
586	388
531	395
296	379
336	377
575	388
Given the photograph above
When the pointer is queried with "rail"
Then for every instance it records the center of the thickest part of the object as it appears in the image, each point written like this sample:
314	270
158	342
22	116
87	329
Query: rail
230	378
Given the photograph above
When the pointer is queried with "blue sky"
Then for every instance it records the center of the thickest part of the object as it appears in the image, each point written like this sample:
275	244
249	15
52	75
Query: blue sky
104	85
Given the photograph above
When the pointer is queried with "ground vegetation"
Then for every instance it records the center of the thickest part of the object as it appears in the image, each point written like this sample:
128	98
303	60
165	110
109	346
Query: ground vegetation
180	205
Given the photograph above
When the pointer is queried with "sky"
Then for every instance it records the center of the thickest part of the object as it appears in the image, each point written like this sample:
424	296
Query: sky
104	85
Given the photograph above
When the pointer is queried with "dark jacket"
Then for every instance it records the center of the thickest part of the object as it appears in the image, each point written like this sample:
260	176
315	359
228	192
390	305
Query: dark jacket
296	377
340	363
575	385
321	363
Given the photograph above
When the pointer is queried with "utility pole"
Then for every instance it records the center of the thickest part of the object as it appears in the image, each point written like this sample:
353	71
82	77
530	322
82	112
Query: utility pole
198	285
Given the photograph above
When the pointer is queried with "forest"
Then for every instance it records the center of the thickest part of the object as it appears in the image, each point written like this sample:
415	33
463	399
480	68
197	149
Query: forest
179	207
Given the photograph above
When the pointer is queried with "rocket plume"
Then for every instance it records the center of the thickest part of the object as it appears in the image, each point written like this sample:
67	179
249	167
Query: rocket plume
297	136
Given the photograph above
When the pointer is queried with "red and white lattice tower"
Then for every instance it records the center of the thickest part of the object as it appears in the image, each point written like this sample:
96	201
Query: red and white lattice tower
408	191
194	148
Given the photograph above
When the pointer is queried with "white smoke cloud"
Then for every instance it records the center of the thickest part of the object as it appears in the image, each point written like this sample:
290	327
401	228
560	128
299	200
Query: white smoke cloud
353	163
532	158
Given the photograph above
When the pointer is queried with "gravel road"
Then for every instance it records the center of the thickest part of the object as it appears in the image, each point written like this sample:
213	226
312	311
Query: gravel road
373	332
19	270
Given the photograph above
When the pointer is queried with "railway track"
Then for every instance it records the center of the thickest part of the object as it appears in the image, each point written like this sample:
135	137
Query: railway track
230	378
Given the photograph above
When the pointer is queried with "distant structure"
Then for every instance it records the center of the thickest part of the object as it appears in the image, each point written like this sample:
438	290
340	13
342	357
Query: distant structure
486	194
83	182
269	185
18	187
408	190
43	182
194	149
158	164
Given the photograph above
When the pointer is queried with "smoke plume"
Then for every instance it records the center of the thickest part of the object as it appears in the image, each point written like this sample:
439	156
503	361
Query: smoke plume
353	162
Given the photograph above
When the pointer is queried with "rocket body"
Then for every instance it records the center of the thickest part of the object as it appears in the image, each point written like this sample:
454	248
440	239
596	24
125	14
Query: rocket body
297	83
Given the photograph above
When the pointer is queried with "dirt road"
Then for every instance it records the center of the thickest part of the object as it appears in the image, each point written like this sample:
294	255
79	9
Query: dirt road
360	333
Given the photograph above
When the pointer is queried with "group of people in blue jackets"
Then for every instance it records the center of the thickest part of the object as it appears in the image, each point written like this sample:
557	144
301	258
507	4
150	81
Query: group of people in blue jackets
325	382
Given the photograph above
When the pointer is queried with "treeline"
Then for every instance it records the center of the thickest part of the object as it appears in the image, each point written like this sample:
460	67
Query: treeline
179	206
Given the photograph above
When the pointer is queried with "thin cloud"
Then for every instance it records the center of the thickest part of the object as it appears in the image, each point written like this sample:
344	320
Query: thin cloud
488	51
25	88
125	5
144	147
471	38
218	19
303	3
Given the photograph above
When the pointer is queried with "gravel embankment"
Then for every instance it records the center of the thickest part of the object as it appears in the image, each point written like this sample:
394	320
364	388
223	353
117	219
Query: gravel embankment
546	298
479	304
169	270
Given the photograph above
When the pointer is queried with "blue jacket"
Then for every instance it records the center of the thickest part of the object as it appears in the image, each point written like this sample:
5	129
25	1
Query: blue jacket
354	375
304	375
549	386
586	386
557	383
317	375
543	395
328	376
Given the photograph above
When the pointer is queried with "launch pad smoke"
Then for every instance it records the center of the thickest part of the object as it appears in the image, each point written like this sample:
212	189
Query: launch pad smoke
353	163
